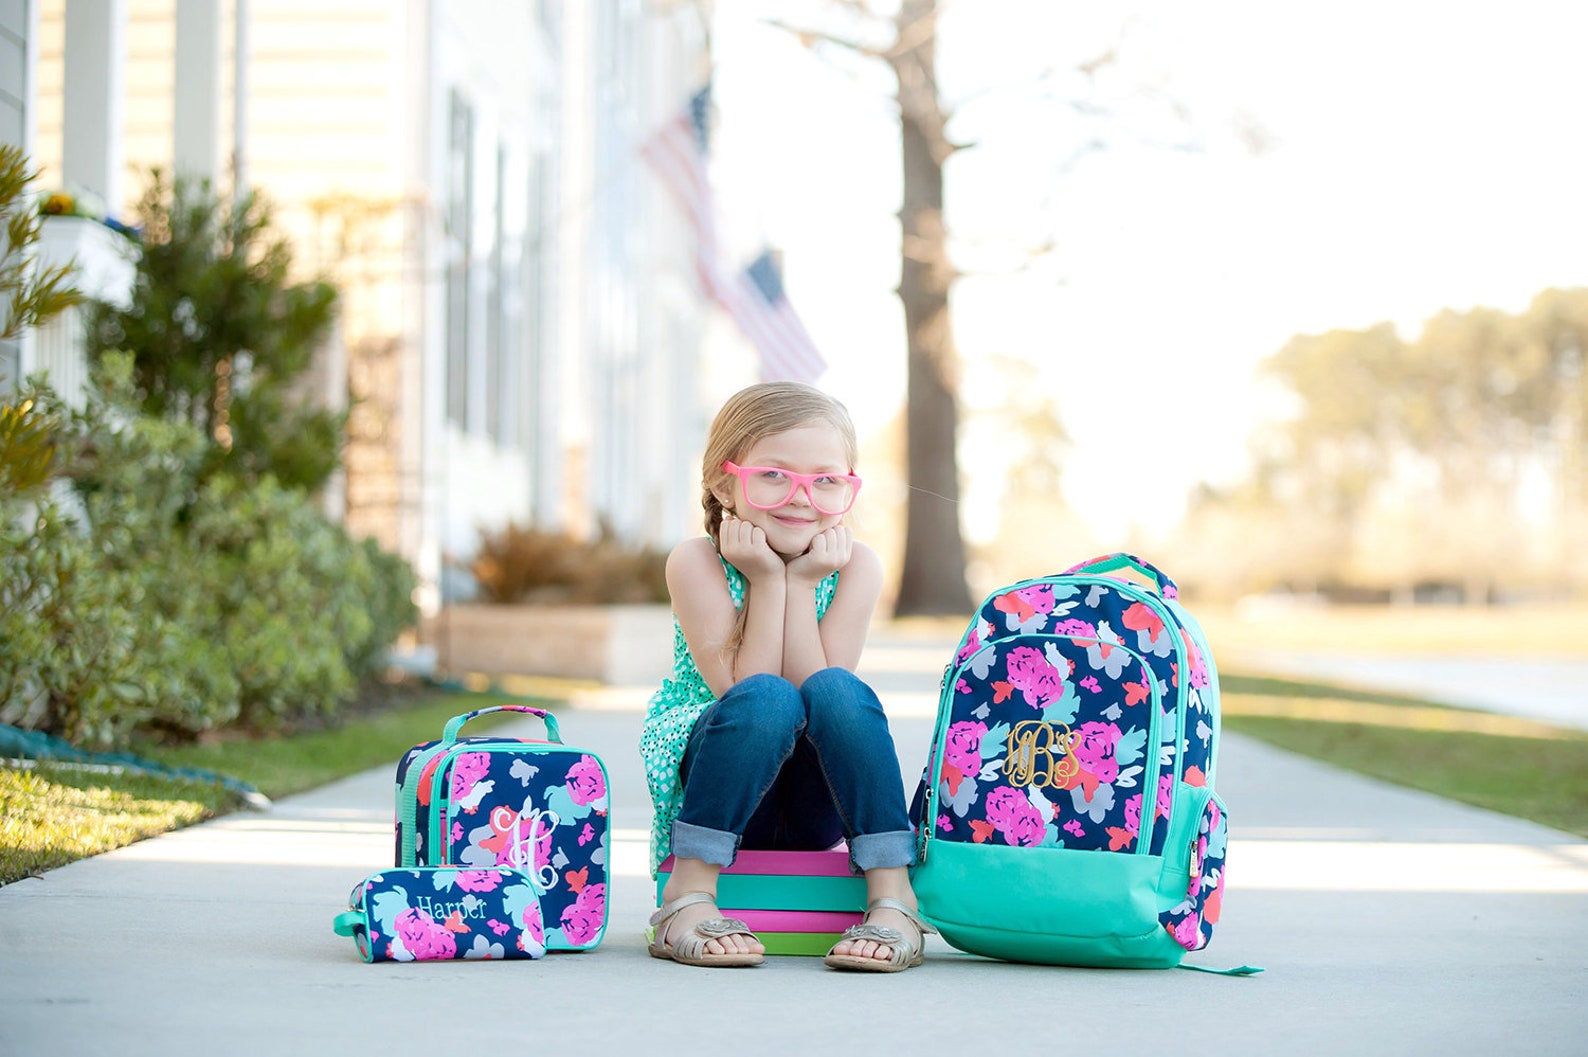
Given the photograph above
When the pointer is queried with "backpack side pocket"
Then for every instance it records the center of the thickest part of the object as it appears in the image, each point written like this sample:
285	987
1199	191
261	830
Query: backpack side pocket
1191	921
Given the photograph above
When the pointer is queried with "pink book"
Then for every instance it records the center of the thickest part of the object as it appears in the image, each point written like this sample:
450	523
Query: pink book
823	921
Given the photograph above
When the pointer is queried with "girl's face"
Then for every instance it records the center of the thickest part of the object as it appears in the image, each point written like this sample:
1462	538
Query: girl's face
814	448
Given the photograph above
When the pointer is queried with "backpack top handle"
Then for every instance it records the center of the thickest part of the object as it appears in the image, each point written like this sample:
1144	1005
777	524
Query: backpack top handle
553	734
1120	560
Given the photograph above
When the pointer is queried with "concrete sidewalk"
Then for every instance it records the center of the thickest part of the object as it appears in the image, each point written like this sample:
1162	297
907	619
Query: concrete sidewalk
1551	689
1390	922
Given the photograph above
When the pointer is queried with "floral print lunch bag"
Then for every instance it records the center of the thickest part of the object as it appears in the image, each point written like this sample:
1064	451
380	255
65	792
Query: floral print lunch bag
536	805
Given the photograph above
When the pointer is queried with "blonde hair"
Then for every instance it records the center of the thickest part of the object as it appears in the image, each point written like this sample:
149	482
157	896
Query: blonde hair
757	412
749	416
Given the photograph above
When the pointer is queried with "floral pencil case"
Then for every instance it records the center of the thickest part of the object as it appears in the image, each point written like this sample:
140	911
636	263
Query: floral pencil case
439	913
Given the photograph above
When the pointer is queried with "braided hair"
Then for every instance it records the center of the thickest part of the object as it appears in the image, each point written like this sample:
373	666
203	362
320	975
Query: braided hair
749	416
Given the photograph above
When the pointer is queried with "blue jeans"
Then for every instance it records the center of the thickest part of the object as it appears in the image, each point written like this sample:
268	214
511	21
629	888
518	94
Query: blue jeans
775	766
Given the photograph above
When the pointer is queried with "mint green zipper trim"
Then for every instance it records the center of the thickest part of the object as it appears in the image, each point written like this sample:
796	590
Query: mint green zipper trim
408	802
1152	750
441	793
1210	698
1175	618
945	704
1171	620
441	784
1161	607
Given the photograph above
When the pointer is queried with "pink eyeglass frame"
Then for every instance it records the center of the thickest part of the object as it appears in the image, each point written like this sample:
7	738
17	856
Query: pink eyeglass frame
800	480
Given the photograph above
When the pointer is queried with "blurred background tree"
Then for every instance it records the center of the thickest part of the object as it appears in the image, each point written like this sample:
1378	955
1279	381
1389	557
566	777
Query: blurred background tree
905	36
933	578
1449	465
220	334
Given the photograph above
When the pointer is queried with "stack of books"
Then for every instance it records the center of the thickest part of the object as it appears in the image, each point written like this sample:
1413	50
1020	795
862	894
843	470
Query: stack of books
796	902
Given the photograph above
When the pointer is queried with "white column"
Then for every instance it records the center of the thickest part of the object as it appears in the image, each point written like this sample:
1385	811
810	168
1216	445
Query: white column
95	70
241	65
197	90
571	214
424	431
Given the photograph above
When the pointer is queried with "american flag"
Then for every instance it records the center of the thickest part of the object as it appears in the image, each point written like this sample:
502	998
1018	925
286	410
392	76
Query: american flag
753	297
757	303
677	151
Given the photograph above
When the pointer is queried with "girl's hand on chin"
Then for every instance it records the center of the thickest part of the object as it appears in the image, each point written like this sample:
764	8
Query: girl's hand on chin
828	553
746	548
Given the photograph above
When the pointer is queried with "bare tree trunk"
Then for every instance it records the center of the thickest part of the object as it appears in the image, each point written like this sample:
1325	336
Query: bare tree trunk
933	581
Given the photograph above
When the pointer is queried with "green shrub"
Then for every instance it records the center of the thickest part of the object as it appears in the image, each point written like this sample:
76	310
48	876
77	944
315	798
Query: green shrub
305	604
221	335
69	665
100	647
389	600
152	601
28	446
110	641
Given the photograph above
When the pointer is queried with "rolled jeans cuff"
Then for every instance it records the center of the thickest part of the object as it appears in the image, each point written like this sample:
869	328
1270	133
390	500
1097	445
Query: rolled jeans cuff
715	846
872	851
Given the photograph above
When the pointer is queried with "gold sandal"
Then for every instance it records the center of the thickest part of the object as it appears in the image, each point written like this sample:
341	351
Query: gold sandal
904	954
690	948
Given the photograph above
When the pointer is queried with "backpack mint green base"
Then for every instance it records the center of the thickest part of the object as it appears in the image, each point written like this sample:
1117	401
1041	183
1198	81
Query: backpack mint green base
1100	910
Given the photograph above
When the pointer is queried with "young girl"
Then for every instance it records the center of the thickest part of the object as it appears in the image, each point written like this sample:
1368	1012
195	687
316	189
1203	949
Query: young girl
764	737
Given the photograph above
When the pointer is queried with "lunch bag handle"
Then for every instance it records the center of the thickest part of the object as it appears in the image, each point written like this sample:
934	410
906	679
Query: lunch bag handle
455	724
1111	562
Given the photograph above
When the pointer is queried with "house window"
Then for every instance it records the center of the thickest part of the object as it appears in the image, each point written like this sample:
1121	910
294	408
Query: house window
536	377
496	332
13	73
459	250
513	217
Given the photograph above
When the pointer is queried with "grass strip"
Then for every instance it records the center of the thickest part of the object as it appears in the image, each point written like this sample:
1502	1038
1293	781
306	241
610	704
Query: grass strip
1507	764
1245	684
281	766
53	814
1409	717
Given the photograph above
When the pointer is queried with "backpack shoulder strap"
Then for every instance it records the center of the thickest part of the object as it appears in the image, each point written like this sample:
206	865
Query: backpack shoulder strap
1239	970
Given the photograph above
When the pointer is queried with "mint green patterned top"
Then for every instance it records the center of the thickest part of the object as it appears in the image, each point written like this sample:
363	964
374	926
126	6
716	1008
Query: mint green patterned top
671	717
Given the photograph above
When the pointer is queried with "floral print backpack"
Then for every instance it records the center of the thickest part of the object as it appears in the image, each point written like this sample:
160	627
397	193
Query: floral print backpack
1067	813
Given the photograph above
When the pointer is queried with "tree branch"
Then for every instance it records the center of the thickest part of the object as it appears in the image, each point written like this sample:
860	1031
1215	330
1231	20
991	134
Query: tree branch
910	38
809	37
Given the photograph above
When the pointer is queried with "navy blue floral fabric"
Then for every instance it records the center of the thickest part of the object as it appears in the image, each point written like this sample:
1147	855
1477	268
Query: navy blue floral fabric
1079	713
536	806
428	914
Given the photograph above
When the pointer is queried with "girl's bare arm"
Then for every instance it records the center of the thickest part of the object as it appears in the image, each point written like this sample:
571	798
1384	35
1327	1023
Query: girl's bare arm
848	620
704	609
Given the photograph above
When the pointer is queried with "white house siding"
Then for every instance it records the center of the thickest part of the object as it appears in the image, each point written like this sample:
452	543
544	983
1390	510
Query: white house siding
479	150
635	311
148	39
672	323
16	36
18	70
103	260
404	144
